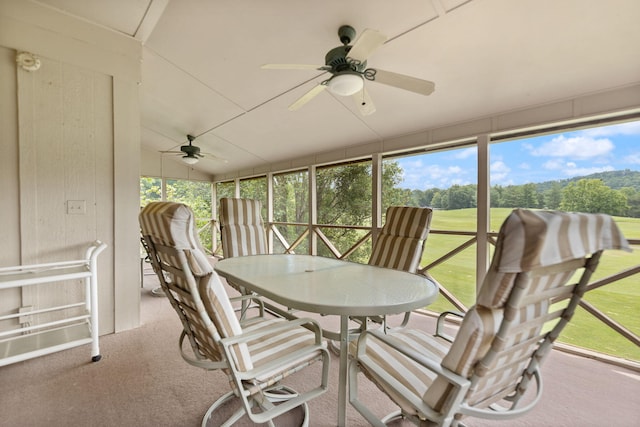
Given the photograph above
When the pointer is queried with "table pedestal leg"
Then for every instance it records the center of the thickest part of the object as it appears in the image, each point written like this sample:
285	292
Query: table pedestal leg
344	353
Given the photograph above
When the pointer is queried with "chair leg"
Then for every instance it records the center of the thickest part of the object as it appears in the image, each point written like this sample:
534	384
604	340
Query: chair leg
158	292
277	393
353	397
282	393
221	401
335	348
393	416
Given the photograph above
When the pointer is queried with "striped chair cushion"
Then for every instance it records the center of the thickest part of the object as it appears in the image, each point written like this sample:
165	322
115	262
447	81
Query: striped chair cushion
273	345
219	308
242	228
523	246
473	340
200	324
172	224
414	377
568	236
401	241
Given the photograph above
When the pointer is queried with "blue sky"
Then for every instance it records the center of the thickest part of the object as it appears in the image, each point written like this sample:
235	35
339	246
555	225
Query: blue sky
543	158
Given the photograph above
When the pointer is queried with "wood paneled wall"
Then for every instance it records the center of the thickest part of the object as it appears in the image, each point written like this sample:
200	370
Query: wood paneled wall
70	133
65	117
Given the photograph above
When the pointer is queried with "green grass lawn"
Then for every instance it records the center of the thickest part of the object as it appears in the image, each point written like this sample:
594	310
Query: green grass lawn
619	300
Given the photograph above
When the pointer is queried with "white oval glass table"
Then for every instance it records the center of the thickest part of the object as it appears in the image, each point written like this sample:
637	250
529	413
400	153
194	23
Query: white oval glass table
331	287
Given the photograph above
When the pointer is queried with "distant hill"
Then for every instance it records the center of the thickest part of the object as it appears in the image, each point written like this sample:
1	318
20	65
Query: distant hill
614	180
548	194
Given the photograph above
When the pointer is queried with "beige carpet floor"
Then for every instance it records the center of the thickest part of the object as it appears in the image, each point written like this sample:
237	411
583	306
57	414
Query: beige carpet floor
142	381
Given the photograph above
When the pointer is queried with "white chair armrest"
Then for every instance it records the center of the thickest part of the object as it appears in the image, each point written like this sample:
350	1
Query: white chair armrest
440	324
286	359
192	358
278	327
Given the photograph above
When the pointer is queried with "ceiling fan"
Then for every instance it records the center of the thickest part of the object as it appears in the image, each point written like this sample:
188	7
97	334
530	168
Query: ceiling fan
348	66
191	153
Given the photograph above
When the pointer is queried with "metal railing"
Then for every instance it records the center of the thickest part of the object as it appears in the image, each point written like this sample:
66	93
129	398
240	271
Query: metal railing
274	229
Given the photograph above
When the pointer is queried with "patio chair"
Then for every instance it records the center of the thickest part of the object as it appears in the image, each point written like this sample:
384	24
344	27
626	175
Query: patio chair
399	246
146	258
256	354
526	299
242	229
242	232
401	241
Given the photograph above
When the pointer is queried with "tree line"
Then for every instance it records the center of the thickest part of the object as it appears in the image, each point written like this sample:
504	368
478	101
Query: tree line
344	197
589	195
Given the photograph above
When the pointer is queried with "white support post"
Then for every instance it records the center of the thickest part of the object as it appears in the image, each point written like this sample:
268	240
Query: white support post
483	213
214	217
269	179
313	210
376	196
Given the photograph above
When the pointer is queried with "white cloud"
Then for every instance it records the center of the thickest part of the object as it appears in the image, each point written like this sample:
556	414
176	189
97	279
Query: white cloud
633	158
499	171
576	147
443	176
465	153
414	162
500	166
631	128
572	169
436	171
417	176
554	164
575	171
524	166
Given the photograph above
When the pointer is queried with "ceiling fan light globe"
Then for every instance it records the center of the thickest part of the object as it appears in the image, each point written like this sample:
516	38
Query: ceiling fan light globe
346	84
190	160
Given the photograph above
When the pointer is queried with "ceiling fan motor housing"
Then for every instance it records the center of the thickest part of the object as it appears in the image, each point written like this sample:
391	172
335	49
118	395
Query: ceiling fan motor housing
336	58
190	150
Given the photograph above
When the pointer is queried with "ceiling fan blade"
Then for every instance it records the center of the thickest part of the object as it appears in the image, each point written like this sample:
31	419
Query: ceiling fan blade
291	67
307	97
201	155
363	102
412	84
367	43
210	156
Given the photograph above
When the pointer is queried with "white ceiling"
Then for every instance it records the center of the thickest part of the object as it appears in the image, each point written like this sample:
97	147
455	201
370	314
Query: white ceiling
201	70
